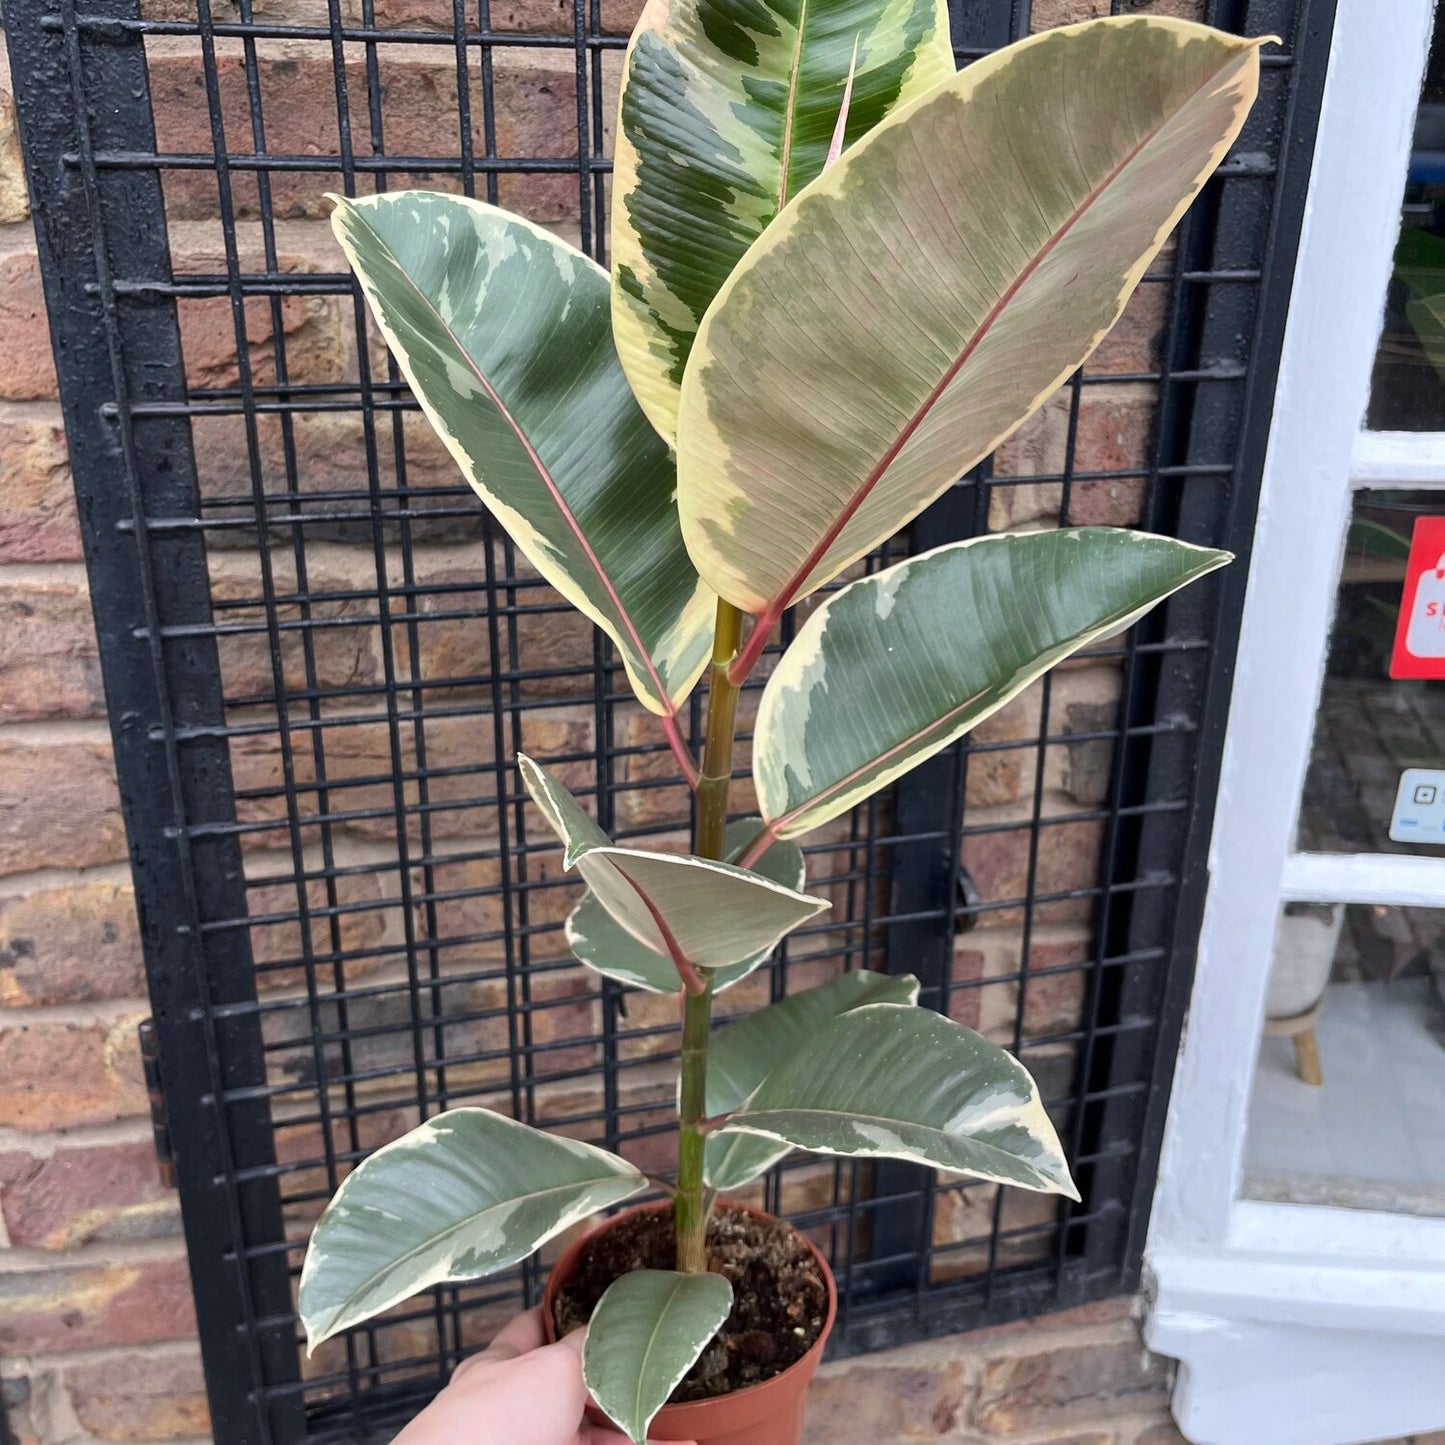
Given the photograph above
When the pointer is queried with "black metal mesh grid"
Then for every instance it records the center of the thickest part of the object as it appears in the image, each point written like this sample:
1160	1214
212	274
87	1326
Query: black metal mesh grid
321	658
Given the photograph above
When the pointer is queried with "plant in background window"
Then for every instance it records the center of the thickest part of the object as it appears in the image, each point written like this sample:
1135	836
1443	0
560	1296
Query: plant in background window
842	275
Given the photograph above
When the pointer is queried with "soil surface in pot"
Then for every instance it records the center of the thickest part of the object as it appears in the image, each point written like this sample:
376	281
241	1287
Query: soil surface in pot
779	1300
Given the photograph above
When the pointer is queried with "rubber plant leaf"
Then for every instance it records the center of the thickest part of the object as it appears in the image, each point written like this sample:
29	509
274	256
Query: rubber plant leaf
919	300
467	1193
744	1053
503	334
646	1333
698	913
725	112
600	942
889	1081
913	657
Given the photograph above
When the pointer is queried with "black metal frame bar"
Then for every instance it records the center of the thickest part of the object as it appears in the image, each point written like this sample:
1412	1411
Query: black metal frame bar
244	1064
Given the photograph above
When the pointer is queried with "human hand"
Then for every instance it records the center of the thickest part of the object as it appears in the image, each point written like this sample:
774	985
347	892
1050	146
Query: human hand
518	1391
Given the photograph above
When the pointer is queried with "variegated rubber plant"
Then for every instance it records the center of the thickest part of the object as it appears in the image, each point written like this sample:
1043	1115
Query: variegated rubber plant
842	275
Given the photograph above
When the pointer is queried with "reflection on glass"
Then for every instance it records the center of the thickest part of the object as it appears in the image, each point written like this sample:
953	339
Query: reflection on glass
1348	1106
1408	391
1370	728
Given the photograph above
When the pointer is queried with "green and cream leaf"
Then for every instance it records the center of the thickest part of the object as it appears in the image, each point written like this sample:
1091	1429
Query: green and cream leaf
503	332
699	913
977	245
896	666
725	112
886	1081
600	942
646	1333
744	1053
468	1193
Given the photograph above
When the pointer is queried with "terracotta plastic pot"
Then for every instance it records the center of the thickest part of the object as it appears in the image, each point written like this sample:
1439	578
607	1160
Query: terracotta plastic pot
770	1413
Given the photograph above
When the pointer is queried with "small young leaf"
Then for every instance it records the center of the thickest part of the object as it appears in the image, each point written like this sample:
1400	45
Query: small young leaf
467	1193
699	913
646	1334
744	1053
604	945
887	1081
894	667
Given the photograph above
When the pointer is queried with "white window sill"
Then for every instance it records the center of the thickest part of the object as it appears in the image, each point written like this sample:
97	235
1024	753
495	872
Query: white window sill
1311	1326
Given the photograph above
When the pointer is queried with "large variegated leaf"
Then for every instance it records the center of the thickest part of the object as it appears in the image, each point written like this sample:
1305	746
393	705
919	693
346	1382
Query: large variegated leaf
743	1054
600	942
915	303
888	1081
503	332
645	1335
726	111
467	1193
699	913
896	666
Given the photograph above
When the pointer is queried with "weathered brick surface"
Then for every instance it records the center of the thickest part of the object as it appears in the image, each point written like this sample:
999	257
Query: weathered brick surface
70	944
860	1401
535	114
59	807
61	1075
1069	1386
29	372
1048	13
359	773
49	660
14	200
93	1306
141	1397
81	1195
38	521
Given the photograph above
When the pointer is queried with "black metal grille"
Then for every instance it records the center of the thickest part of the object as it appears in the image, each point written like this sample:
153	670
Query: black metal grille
320	658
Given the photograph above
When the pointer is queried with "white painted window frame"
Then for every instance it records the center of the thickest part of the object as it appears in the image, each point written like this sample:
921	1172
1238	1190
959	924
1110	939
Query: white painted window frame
1302	1325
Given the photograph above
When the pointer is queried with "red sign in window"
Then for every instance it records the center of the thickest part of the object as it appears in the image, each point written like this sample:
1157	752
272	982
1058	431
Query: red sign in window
1420	633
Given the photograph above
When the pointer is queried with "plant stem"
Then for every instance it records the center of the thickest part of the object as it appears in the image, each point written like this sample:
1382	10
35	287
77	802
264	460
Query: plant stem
690	1206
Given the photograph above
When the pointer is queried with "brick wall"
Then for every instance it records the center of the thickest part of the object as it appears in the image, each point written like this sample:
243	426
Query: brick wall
96	1328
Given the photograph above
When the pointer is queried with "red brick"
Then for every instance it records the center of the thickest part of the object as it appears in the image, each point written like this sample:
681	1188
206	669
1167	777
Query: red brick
1068	859
134	1303
141	1397
359	927
29	370
58	806
60	1075
359	771
535	113
14	198
38	520
1047	14
860	1403
70	945
1004	775
1074	1385
533	17
79	1195
49	661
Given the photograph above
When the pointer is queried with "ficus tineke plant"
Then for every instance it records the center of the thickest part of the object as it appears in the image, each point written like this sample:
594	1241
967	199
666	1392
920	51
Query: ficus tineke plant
804	341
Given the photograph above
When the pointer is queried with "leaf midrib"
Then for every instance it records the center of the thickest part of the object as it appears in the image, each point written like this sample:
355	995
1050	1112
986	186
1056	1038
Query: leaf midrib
454	1229
742	1120
774	610
644	653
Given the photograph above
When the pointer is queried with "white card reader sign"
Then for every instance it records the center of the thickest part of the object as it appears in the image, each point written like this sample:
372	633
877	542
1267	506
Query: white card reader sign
1419	815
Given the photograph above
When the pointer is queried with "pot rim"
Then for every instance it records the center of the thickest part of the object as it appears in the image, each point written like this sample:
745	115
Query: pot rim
687	1411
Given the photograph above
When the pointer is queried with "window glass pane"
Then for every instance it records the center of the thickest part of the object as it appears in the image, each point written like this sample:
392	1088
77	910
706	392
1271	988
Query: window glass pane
1408	392
1348	1106
1372	728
